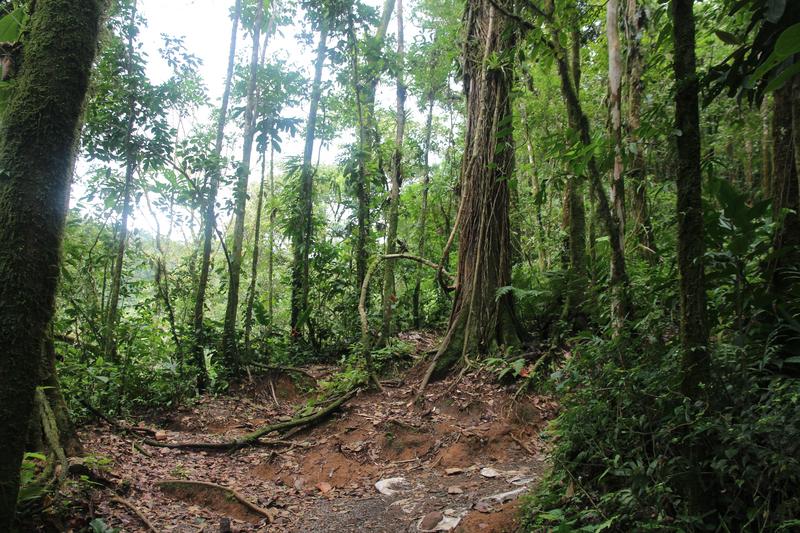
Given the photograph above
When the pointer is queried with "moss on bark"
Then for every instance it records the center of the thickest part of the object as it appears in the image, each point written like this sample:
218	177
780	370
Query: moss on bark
37	139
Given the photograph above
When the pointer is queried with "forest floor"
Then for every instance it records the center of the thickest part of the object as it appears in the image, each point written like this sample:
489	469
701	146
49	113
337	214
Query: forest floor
463	455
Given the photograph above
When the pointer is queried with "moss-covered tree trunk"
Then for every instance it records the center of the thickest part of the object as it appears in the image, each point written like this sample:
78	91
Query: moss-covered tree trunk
615	112
230	346
37	140
302	233
695	365
209	217
392	219
481	319
784	190
643	228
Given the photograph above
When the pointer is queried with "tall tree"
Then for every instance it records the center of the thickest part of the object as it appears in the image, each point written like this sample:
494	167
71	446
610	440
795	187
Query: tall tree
302	234
423	208
37	148
615	112
635	27
230	348
389	297
481	318
784	190
370	161
209	217
695	366
131	161
618	278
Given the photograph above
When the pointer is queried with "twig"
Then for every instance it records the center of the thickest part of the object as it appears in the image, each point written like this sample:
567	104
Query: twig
125	503
241	499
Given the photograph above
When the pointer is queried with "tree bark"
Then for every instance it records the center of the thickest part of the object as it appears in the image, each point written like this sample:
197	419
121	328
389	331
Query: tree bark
389	297
615	113
302	234
230	347
695	364
784	188
37	148
131	162
480	319
210	218
643	228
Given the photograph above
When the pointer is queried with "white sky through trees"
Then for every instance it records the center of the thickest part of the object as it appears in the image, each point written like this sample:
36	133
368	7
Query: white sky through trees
205	28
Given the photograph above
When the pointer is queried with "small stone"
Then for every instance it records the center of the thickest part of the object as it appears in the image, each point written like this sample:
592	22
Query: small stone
489	472
299	483
482	506
391	486
454	490
430	521
161	436
453	471
324	487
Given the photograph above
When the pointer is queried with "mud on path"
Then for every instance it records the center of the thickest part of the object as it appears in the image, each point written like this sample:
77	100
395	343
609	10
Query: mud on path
463	456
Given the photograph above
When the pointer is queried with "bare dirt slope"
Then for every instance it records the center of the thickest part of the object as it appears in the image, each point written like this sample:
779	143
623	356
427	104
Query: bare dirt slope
463	457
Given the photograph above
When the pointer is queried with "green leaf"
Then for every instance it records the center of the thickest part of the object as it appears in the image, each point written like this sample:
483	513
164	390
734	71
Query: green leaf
726	37
781	79
11	25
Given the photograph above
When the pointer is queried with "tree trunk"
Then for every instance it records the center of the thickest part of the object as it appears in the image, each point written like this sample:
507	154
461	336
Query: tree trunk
766	149
230	348
574	211
618	278
272	213
210	218
423	210
389	297
615	113
130	167
643	228
480	319
251	289
369	137
302	233
52	389
784	188
37	144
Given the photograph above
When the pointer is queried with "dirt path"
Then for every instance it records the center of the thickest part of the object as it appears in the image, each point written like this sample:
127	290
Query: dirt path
464	456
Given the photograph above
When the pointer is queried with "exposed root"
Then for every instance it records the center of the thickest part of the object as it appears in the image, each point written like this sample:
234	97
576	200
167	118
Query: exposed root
286	369
125	503
253	438
366	344
230	492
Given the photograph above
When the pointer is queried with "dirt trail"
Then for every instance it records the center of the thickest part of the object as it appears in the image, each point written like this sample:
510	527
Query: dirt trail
464	444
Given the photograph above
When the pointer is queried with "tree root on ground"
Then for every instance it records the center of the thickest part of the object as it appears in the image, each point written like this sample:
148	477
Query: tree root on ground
286	369
125	503
366	344
177	483
252	438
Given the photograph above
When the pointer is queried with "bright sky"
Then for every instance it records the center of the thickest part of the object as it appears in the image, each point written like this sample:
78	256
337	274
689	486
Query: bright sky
205	26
